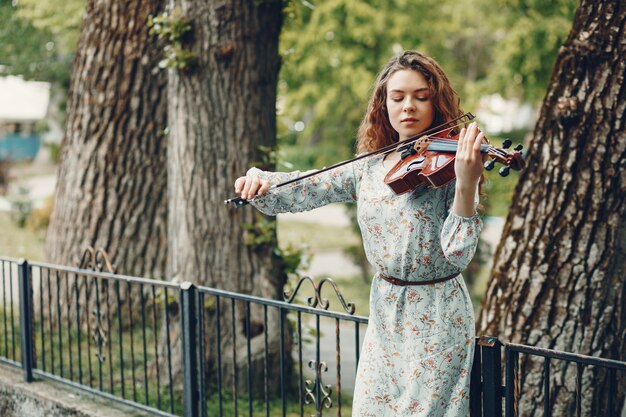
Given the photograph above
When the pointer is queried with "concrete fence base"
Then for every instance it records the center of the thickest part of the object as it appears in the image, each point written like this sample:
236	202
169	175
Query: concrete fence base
51	399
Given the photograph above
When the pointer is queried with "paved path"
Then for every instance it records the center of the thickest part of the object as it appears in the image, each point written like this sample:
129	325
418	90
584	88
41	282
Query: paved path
37	189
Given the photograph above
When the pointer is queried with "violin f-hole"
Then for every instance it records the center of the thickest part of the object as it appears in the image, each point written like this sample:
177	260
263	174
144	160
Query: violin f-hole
415	164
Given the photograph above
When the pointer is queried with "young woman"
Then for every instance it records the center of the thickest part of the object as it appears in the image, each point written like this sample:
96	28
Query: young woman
419	344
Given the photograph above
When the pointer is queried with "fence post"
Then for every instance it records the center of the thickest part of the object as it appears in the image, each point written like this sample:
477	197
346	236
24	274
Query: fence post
492	376
188	321
511	378
476	384
26	319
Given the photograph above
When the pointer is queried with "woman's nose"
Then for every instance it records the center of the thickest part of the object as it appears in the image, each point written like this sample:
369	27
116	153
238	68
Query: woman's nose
408	105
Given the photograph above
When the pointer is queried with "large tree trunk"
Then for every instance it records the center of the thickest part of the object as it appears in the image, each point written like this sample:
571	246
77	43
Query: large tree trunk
112	182
220	112
111	189
558	275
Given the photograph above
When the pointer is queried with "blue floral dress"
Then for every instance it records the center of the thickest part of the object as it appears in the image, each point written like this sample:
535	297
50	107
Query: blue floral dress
418	349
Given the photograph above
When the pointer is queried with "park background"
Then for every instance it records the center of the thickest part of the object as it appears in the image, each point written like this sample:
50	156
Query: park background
500	56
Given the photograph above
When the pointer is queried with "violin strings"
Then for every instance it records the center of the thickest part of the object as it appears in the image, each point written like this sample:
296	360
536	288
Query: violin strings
451	145
427	134
387	149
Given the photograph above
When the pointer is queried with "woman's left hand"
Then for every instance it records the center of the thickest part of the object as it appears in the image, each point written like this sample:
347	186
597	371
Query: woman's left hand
468	167
468	162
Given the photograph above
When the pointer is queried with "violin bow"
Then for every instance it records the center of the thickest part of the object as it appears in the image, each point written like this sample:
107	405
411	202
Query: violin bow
240	202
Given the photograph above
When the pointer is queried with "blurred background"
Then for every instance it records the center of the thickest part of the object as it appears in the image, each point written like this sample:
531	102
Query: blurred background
498	54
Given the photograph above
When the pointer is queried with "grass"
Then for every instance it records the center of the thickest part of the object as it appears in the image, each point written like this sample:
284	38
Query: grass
316	237
106	376
17	242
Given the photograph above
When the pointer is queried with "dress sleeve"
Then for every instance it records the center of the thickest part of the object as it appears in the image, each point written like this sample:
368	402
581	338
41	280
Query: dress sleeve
336	185
459	235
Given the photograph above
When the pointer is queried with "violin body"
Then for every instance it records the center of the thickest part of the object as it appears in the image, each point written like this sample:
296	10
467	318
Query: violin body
431	169
423	167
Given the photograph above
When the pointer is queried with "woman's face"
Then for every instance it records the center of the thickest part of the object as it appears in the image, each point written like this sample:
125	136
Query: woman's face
409	103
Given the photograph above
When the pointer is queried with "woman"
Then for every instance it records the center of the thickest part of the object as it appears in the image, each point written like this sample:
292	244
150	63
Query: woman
418	348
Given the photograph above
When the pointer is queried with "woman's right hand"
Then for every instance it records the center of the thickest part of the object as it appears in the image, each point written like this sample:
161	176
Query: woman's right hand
250	186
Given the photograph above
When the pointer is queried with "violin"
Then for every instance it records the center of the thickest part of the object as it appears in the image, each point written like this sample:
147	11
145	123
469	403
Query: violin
427	160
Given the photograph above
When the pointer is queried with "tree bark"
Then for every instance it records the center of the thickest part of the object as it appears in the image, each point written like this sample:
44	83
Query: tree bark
220	112
112	181
558	275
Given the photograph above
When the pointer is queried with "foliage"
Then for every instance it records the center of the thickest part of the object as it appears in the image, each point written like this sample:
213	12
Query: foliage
4	176
62	18
333	50
260	232
263	231
330	58
21	206
294	258
272	156
528	37
37	41
55	151
333	53
173	28
29	49
39	218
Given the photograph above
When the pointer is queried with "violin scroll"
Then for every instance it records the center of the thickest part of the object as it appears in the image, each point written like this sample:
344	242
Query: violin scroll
511	160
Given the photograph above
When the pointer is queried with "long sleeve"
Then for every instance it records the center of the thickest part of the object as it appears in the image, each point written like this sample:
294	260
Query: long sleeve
336	185
459	235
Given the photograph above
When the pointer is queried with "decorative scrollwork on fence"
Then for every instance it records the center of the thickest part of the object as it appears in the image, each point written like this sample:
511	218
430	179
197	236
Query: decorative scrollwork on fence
100	335
316	299
325	392
97	260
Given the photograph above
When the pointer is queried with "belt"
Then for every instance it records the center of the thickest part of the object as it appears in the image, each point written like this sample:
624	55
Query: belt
403	283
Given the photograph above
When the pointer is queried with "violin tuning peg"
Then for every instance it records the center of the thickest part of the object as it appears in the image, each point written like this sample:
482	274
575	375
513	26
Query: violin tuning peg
519	147
507	143
489	164
504	171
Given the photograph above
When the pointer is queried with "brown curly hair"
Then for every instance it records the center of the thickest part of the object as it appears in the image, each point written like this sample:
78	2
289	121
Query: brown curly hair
375	131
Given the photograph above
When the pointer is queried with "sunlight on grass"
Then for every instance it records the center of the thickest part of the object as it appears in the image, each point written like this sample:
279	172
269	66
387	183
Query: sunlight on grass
16	242
317	237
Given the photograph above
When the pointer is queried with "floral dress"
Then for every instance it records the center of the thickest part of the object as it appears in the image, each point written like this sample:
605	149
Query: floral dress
419	344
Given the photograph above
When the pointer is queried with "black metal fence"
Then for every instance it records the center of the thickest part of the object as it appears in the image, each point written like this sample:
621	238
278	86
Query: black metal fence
177	349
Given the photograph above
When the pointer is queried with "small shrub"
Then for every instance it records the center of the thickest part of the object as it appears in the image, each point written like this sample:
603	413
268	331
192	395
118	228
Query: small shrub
21	206
39	218
4	177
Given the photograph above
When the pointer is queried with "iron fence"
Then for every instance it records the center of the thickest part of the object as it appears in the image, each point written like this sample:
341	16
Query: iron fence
495	394
177	349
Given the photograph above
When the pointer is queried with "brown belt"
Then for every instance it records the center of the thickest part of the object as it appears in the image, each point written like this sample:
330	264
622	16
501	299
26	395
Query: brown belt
403	283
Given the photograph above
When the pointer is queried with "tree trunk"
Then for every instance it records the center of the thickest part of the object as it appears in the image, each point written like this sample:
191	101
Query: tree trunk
111	188
220	111
112	183
558	275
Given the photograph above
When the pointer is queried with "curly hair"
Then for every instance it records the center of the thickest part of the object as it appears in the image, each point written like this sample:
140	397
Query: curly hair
376	131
